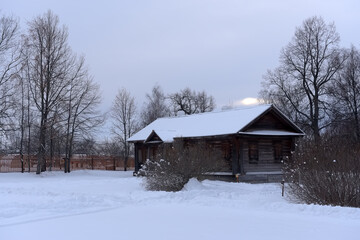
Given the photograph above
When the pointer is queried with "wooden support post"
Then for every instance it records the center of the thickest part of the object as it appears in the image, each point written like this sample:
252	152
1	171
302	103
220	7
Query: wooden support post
235	157
241	156
137	167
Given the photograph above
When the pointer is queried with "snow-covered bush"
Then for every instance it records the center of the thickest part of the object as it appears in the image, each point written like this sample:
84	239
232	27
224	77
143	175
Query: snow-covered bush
326	173
176	164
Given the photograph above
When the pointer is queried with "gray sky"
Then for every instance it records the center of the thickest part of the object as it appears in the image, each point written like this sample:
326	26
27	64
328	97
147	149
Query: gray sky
221	46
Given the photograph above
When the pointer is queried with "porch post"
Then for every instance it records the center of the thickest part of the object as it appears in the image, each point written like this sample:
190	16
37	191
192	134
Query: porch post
241	156
136	158
235	156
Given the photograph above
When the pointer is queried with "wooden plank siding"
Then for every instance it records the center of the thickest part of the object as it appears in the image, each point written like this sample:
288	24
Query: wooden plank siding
266	147
235	152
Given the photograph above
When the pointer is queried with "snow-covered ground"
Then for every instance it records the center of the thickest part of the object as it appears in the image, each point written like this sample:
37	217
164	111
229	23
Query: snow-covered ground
114	205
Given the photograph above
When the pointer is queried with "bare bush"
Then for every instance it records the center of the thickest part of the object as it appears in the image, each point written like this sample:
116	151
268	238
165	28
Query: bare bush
326	173
176	164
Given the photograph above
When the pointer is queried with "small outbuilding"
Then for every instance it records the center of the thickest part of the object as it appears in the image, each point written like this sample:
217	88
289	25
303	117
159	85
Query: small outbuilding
255	141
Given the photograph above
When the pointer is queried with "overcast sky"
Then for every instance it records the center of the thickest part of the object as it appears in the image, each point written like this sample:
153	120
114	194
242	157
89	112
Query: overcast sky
221	46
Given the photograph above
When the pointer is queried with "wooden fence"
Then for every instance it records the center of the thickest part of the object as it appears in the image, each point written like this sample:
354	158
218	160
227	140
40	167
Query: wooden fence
12	163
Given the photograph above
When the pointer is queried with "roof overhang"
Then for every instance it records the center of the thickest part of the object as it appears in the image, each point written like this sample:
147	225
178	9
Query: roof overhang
271	133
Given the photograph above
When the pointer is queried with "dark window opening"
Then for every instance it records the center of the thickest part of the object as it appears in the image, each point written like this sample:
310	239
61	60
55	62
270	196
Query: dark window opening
140	156
226	151
253	152
278	155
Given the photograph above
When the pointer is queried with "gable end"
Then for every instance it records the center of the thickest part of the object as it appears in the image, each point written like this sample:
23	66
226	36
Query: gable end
153	138
272	119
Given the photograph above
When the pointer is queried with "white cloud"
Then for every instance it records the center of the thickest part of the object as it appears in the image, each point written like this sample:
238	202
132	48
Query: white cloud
249	101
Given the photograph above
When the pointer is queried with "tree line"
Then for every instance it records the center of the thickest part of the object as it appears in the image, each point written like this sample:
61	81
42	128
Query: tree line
49	102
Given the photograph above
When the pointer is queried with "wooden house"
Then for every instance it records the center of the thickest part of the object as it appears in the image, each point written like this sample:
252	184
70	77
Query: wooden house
255	141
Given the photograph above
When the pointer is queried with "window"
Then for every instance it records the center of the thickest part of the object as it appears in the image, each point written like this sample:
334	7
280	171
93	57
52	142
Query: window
253	152
278	155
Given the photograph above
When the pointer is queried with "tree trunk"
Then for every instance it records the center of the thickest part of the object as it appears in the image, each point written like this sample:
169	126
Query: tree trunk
41	166
51	149
29	130
125	163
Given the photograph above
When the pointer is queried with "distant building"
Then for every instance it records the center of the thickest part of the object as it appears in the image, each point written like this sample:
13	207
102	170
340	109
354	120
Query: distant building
254	140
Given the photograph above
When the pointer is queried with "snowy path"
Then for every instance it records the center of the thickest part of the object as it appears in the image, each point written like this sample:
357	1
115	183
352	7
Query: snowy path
114	205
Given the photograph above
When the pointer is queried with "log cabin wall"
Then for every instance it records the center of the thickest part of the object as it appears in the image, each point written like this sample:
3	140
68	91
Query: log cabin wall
271	152
267	148
223	144
236	151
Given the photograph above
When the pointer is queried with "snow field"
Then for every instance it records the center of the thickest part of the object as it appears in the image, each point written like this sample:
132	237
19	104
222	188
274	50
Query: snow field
114	205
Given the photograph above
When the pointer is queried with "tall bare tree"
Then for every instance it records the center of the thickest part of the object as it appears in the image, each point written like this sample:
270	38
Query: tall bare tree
22	87
124	126
9	63
82	101
156	106
190	102
49	64
345	92
28	114
307	65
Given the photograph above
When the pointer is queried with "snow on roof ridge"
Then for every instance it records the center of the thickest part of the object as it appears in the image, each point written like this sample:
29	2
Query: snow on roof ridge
238	108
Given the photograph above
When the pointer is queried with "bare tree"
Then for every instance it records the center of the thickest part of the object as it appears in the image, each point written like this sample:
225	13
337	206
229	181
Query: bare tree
307	65
55	127
345	92
155	107
86	146
9	62
22	87
49	63
190	102
23	113
82	102
205	103
110	147
28	114
124	120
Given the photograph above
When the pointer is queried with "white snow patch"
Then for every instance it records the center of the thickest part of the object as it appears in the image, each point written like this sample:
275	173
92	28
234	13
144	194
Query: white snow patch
193	185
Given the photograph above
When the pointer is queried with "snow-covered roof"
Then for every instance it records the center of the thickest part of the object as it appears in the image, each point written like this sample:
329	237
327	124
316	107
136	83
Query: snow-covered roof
206	124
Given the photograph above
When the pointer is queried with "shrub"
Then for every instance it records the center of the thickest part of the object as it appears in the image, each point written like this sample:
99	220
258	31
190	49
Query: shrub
177	164
327	173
